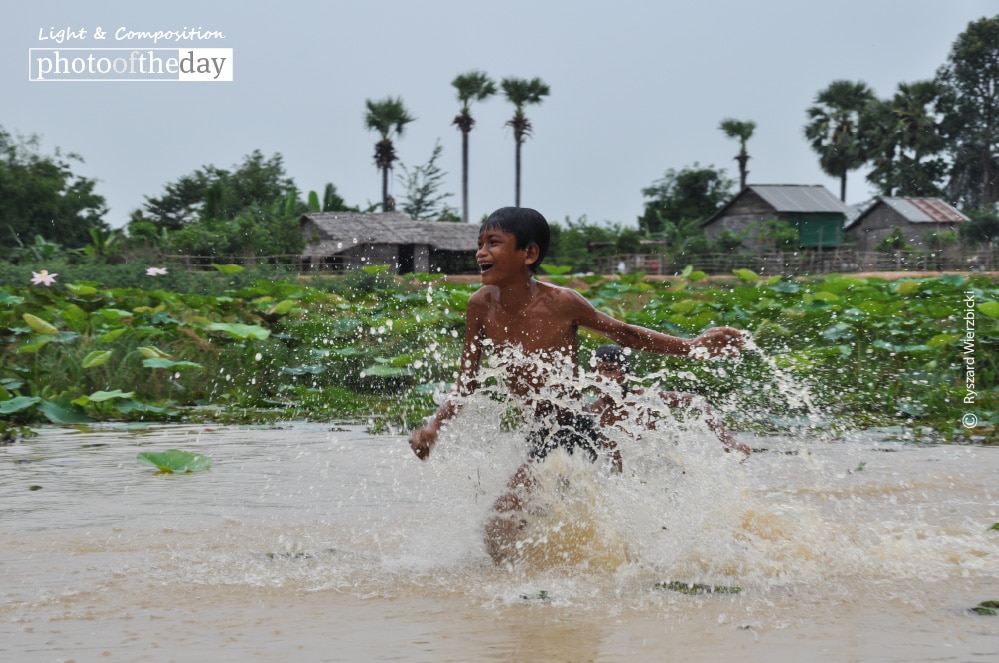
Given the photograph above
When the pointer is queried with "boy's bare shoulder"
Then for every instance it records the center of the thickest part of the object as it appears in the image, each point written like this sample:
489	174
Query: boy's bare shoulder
564	297
483	295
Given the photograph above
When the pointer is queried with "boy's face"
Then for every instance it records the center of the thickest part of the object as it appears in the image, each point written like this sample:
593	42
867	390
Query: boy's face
499	258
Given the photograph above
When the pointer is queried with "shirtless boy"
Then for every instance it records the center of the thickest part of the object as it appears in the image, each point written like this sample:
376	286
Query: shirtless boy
513	311
619	403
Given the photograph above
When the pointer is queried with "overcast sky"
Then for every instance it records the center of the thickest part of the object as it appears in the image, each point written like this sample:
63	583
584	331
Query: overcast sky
637	87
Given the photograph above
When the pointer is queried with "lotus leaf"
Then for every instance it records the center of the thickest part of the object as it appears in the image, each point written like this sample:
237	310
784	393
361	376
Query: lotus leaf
40	326
96	358
175	461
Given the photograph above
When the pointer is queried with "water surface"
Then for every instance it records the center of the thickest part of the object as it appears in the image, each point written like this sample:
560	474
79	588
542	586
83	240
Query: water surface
320	542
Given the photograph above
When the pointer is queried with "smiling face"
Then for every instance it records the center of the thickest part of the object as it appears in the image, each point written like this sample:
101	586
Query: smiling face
499	259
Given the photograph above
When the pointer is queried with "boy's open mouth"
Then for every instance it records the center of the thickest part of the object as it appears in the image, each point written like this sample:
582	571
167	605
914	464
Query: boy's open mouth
485	267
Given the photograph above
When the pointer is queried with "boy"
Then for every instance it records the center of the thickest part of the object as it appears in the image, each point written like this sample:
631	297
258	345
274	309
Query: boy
533	330
610	409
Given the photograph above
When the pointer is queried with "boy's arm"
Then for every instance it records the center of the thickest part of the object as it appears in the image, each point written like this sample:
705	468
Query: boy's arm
422	439
713	342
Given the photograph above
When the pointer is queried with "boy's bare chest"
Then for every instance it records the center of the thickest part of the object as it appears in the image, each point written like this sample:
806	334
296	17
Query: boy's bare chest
532	330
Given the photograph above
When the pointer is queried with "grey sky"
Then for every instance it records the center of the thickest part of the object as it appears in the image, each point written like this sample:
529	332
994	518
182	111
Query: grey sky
637	87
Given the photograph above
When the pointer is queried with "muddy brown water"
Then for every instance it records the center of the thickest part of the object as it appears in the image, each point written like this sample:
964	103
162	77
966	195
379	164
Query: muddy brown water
314	542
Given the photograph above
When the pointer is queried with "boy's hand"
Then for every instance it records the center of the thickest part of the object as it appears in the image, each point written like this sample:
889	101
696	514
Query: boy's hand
421	440
717	341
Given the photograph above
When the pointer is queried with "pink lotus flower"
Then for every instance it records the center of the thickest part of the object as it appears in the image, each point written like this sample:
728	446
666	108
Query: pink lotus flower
43	278
156	271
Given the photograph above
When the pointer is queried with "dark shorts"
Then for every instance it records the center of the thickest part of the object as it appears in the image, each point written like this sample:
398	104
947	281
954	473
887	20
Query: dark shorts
577	432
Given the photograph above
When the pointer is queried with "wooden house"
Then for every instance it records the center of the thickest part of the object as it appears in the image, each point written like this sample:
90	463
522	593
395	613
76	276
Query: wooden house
818	215
336	241
916	218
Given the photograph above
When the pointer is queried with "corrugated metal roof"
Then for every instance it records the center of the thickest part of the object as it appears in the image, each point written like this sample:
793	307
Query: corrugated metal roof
340	231
799	198
915	210
925	210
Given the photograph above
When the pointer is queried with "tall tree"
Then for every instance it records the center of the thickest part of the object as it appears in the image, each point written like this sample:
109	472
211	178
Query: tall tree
422	199
902	138
522	92
388	117
742	130
217	193
690	193
832	129
40	196
879	130
473	86
970	80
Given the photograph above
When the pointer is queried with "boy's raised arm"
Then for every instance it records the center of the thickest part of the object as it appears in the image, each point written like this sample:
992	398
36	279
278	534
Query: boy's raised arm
712	343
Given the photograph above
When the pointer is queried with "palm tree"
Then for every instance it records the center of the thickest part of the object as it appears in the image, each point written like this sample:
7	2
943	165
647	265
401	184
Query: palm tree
902	138
473	86
833	128
879	131
520	92
742	130
388	117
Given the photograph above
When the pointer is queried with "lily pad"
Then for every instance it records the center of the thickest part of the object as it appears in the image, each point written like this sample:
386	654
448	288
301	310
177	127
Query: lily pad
175	461
241	331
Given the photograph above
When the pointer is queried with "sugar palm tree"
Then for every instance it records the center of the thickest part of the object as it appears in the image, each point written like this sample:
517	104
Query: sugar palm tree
522	92
388	117
473	86
743	131
833	125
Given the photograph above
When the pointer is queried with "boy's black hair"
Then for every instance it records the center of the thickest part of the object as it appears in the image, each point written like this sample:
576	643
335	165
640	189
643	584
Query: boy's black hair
613	353
528	226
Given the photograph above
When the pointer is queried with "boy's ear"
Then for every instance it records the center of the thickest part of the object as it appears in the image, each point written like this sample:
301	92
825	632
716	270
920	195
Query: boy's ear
531	254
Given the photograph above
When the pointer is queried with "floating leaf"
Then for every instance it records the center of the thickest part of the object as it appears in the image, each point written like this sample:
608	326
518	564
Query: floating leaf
838	332
746	275
990	309
697	275
228	269
953	279
241	331
787	287
63	411
18	404
160	362
684	306
39	326
101	396
152	352
96	358
174	461
34	347
81	290
282	308
907	288
942	339
556	270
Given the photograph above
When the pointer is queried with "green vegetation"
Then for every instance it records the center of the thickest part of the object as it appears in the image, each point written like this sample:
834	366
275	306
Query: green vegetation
250	345
175	461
